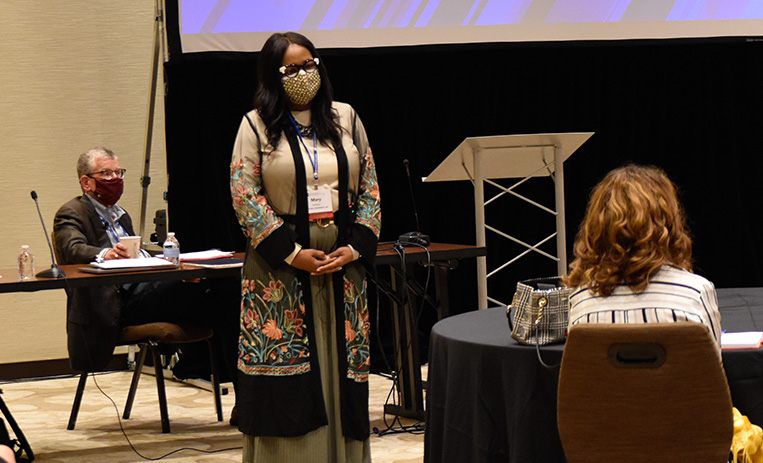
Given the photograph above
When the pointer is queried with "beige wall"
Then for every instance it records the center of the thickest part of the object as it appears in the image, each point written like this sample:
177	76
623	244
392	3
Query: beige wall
73	74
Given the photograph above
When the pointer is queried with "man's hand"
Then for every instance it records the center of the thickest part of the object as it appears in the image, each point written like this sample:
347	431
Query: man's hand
119	251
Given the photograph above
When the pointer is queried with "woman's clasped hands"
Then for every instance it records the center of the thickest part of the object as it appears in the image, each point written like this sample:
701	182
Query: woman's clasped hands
318	262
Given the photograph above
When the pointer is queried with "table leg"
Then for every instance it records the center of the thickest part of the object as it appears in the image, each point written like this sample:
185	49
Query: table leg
407	353
441	270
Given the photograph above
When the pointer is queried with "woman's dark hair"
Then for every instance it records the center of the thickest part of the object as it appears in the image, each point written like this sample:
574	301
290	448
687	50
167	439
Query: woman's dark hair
271	100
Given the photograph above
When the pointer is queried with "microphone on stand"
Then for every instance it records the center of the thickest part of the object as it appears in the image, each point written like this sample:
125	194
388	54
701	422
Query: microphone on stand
54	271
414	238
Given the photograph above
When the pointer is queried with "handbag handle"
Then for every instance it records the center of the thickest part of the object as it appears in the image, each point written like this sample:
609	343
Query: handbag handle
540	359
542	303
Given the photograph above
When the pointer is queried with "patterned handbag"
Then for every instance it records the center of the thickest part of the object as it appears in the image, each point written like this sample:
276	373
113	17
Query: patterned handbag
541	309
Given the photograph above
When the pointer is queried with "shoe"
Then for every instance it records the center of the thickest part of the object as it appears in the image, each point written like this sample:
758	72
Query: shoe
233	417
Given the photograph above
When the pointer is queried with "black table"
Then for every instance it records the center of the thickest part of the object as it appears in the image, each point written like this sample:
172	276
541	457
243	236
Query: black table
442	257
489	399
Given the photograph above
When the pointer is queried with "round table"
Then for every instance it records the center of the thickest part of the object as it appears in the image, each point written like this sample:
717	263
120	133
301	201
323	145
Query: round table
489	398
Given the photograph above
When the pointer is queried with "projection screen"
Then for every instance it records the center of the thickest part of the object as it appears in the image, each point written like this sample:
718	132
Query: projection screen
243	25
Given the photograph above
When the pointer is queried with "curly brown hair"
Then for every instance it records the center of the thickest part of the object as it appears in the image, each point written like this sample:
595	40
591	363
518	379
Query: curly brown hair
634	224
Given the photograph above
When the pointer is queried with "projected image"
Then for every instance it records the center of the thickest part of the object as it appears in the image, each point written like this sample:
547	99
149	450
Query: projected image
453	18
215	16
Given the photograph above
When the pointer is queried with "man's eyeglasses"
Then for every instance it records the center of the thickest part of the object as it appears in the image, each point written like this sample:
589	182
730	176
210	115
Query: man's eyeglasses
108	173
310	65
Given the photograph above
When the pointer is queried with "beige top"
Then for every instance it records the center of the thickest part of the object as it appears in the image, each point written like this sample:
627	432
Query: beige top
277	166
672	295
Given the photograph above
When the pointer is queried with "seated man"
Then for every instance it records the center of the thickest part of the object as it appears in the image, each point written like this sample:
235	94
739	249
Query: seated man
87	229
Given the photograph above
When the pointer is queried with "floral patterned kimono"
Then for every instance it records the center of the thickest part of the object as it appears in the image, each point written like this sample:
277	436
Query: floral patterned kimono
304	344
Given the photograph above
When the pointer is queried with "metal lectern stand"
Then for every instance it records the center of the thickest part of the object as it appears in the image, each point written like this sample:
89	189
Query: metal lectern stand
480	159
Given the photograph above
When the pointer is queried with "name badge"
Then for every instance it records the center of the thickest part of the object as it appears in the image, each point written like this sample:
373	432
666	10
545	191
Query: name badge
319	203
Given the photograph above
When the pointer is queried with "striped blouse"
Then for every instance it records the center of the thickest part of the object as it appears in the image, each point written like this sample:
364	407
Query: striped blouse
673	295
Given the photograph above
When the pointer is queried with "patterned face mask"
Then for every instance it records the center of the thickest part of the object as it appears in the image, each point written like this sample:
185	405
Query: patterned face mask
302	88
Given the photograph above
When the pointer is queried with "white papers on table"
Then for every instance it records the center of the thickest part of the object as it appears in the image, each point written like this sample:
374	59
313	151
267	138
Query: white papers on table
148	262
742	340
204	255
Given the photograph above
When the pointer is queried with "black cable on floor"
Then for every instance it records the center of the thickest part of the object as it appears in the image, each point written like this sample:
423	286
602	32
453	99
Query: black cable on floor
124	433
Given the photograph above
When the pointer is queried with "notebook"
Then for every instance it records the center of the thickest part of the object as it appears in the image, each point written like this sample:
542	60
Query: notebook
742	340
128	265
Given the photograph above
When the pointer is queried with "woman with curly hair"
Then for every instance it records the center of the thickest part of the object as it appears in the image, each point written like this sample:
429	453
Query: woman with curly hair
633	256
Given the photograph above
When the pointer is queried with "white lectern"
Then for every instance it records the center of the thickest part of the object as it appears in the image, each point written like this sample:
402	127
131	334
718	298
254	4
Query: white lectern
480	159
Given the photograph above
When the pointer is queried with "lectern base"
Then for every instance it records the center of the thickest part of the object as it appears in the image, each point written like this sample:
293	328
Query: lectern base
397	410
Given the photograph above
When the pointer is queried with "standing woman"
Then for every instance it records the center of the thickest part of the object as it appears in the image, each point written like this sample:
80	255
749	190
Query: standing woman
304	188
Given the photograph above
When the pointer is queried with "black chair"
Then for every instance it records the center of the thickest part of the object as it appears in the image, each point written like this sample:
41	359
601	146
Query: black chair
151	337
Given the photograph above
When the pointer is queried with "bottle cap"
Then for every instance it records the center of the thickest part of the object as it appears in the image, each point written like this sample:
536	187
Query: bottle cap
25	247
170	234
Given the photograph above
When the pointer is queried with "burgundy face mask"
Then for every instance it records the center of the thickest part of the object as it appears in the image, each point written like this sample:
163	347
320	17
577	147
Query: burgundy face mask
108	192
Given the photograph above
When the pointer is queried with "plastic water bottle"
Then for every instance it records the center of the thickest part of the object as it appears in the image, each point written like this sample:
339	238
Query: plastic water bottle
172	248
26	263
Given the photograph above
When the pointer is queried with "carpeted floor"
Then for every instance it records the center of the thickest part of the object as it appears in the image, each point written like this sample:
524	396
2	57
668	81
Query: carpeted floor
41	408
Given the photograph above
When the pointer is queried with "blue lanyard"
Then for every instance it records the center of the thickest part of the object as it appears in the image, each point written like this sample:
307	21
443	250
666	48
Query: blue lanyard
314	157
109	229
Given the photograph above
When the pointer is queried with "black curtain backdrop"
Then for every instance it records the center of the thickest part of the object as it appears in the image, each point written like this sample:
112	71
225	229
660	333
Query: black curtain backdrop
692	107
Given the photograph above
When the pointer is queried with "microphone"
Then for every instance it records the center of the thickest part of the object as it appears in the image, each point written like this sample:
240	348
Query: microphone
54	271
414	238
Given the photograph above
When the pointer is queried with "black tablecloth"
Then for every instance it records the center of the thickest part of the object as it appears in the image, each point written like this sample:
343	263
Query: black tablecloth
742	310
489	399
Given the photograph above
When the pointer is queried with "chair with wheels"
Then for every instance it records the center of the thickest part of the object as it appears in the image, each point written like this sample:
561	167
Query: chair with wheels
643	393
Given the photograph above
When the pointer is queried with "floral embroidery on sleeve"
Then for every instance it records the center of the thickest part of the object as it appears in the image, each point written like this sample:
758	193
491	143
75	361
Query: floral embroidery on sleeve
254	214
367	205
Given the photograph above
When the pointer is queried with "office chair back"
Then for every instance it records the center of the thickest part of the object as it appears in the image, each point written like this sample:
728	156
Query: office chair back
643	393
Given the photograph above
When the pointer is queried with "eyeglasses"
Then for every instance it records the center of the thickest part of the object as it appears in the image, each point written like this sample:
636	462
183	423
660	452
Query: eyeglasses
108	173
291	70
